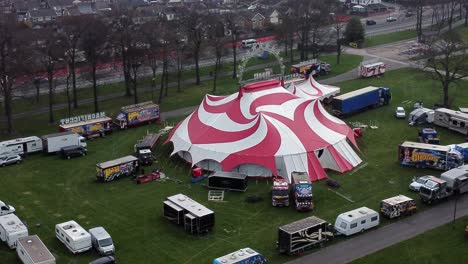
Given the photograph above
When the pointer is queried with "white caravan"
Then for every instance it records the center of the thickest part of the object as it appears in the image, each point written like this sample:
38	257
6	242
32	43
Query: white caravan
451	119
21	146
356	221
6	209
73	236
11	228
102	241
31	250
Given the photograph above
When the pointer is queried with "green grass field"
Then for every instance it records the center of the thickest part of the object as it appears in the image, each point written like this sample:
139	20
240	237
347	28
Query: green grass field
422	249
47	190
372	41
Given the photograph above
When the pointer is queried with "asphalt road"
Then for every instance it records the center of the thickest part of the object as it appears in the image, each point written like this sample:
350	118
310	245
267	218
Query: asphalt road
373	240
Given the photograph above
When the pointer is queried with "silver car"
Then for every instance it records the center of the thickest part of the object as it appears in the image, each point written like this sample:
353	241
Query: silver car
9	159
418	182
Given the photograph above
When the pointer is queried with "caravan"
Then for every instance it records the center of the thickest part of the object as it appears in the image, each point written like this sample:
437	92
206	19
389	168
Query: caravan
11	228
357	220
451	119
21	146
421	116
31	250
73	236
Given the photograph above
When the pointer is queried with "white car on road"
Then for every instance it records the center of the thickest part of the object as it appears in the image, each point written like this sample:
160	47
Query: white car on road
418	182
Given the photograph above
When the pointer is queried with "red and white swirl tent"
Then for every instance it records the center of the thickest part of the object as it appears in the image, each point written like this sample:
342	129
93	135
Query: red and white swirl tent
264	130
311	89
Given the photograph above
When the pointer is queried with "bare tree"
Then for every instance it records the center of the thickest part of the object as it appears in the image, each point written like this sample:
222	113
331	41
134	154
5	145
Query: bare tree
136	58
153	49
447	61
231	21
95	44
284	33
72	29
218	42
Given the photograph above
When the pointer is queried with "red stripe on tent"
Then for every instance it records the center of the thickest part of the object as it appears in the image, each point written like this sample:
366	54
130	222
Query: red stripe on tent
263	85
231	109
340	161
316	172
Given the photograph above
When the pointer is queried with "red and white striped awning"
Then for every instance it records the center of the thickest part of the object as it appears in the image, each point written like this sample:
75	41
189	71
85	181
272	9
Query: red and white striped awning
311	89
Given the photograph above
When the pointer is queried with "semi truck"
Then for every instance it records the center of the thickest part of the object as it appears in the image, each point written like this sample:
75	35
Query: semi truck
55	142
452	182
451	119
397	206
421	155
144	149
89	126
302	191
138	114
296	237
241	256
280	192
358	100
113	169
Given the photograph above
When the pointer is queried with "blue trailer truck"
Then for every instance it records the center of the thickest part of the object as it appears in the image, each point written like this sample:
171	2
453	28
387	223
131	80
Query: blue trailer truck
368	97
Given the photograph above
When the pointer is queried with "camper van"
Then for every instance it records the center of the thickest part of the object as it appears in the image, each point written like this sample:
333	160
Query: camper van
31	250
21	146
11	228
248	43
102	241
451	119
73	236
357	220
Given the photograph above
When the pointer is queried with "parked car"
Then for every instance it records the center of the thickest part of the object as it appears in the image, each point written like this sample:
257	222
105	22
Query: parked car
10	159
409	14
391	19
400	112
370	22
104	260
418	182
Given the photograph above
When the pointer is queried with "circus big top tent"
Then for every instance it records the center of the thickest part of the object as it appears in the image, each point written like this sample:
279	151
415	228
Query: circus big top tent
264	130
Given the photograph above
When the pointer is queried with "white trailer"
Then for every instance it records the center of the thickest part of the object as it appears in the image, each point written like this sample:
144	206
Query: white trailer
11	228
55	142
451	119
356	221
421	116
21	146
75	237
31	250
371	68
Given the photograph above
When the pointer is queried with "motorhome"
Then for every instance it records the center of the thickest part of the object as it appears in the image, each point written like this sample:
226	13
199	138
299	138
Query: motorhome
248	43
76	238
21	146
11	228
31	250
102	241
357	220
451	119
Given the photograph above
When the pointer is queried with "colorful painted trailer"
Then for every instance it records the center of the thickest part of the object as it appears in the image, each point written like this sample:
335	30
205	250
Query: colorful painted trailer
370	69
113	169
421	155
138	114
92	125
241	256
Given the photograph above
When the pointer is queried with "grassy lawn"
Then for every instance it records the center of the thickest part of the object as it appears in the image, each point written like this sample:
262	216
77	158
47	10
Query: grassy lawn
449	247
464	33
389	38
47	190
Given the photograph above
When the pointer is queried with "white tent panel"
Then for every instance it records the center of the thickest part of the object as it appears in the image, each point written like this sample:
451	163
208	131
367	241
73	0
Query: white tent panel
210	165
326	160
253	170
287	164
348	153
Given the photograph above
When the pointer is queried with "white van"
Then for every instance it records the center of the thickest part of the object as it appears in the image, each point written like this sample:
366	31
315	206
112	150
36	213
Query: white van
356	221
102	241
11	228
248	43
31	250
73	236
6	209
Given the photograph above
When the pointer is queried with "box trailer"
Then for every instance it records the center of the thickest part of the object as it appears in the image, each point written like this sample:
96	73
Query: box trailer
21	146
358	100
55	142
301	235
181	210
231	181
357	220
89	128
11	228
31	250
397	206
241	256
421	155
113	169
138	114
75	237
451	119
371	68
